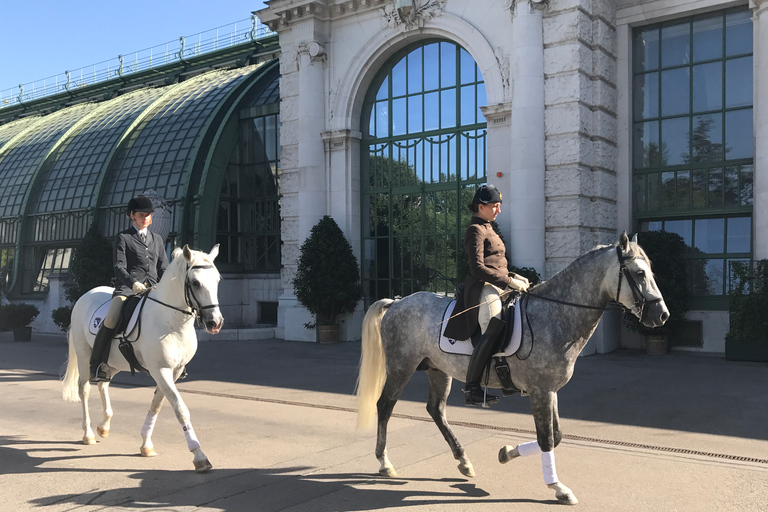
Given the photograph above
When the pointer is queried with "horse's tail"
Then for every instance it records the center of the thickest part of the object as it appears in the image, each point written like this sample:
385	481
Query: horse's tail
70	379
373	368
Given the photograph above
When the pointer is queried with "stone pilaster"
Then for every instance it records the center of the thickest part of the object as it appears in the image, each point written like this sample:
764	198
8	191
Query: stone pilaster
760	77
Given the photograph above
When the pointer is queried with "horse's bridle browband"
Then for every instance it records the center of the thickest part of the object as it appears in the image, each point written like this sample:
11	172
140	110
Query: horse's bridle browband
189	293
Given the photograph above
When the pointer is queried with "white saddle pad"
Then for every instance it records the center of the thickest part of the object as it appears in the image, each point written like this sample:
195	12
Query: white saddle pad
465	347
101	312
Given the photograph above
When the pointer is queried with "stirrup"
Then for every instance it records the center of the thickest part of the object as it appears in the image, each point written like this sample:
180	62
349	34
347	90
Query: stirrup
99	375
485	401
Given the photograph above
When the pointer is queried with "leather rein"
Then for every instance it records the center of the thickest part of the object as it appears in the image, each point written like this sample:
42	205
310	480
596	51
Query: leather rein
189	296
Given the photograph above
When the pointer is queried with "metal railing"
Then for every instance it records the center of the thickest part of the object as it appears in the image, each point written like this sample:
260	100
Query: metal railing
239	32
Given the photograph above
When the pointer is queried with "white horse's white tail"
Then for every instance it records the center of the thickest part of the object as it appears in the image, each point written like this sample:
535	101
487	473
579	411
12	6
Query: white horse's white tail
373	368
70	379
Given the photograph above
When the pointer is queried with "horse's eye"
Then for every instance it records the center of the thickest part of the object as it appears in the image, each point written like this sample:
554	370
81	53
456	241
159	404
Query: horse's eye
641	273
196	283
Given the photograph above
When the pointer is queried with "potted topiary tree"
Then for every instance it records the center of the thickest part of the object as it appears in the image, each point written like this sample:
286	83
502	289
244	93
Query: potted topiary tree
667	254
327	279
16	318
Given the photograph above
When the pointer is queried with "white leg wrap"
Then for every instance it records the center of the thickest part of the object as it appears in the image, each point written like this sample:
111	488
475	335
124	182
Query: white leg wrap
149	425
527	449
192	442
548	467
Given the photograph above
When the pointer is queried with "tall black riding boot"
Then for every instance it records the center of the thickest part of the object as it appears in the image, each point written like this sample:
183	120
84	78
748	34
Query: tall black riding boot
473	393
100	354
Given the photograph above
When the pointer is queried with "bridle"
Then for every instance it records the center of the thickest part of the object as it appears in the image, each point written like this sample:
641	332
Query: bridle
190	298
640	301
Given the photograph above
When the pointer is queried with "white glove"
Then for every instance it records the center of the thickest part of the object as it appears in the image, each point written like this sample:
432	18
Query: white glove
518	285
138	288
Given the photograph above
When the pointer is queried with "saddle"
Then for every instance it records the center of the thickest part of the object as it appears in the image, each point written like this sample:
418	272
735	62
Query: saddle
129	321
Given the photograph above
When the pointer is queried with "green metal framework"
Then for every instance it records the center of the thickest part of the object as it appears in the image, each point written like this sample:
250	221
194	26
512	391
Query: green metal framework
423	155
693	160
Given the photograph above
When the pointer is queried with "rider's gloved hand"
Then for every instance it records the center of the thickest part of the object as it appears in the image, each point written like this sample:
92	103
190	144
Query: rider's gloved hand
138	288
517	283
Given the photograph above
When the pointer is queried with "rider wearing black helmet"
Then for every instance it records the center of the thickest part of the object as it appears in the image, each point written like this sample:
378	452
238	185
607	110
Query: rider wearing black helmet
488	280
139	261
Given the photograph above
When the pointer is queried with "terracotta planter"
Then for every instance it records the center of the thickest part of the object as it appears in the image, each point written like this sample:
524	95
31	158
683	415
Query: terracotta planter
22	334
328	333
656	344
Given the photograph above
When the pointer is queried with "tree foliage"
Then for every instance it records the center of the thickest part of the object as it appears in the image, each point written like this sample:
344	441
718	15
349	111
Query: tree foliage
91	264
327	279
749	303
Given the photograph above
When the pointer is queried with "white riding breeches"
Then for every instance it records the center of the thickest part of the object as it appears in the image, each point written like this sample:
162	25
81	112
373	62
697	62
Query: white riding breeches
490	305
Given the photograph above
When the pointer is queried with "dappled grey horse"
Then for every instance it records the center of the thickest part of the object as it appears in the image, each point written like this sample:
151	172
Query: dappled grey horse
401	336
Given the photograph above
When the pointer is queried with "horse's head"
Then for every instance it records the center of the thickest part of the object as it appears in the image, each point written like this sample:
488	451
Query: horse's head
639	293
201	287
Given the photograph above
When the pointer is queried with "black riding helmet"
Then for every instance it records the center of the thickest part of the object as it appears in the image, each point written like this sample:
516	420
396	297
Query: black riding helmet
139	204
487	194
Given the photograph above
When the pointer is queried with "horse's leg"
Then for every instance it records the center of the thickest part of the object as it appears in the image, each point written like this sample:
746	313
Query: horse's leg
439	387
103	428
147	448
546	417
165	382
84	392
389	395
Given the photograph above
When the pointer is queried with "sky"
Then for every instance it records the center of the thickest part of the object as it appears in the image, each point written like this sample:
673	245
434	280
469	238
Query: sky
43	38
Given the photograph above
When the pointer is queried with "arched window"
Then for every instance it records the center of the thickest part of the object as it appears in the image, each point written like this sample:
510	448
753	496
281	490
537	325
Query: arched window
424	153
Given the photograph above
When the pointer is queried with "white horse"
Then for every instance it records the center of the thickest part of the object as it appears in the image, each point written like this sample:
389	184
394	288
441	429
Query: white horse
166	343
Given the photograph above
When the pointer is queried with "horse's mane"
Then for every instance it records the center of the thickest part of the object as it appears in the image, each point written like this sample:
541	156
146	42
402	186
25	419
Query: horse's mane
178	265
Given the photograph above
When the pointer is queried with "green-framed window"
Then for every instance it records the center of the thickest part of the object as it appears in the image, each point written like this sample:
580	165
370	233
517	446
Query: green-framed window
423	155
693	154
7	255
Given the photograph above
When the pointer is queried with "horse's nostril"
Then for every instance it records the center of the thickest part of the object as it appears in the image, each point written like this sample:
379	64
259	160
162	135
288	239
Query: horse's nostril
664	316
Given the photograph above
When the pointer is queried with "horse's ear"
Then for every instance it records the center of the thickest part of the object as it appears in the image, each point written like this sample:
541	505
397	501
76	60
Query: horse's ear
214	252
624	241
634	239
187	253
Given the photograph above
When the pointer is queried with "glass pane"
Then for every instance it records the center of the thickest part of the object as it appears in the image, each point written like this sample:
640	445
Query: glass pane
398	79
739	235
715	277
468	108
431	67
706	143
482	101
683	190
383	91
675	45
715	196
431	111
674	141
447	65
699	187
647	96
684	228
731	187
746	190
738	134
708	39
647	49
675	92
709	235
415	120
708	87
448	108
399	126
738	82
668	191
738	33
638	193
382	119
646	144
415	66
653	191
468	67
732	279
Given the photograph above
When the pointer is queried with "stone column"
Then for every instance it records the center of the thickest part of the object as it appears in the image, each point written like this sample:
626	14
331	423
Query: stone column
760	77
524	201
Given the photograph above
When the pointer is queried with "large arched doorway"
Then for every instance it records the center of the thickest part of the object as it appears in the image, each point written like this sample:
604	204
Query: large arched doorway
423	155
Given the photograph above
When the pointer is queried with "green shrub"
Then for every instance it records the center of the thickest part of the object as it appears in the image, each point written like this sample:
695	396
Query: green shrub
91	264
17	315
667	254
327	279
62	317
749	302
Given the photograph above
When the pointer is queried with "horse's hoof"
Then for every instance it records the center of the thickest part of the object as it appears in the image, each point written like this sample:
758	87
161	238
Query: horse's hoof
201	466
89	440
103	432
567	499
148	452
388	472
507	453
467	470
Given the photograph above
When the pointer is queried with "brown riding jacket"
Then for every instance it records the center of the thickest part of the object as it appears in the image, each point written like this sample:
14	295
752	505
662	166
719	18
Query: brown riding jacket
487	264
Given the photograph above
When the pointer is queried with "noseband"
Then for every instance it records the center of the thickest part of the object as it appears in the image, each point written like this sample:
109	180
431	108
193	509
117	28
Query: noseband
639	299
195	311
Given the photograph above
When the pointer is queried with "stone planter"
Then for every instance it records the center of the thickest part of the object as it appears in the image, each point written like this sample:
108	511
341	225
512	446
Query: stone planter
656	344
328	333
22	334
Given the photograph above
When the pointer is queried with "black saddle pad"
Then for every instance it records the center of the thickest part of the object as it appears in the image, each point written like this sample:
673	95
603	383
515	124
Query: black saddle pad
129	305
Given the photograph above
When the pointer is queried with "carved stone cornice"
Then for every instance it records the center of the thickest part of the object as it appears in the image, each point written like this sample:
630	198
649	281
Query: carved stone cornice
497	115
511	5
758	6
335	140
281	15
421	12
